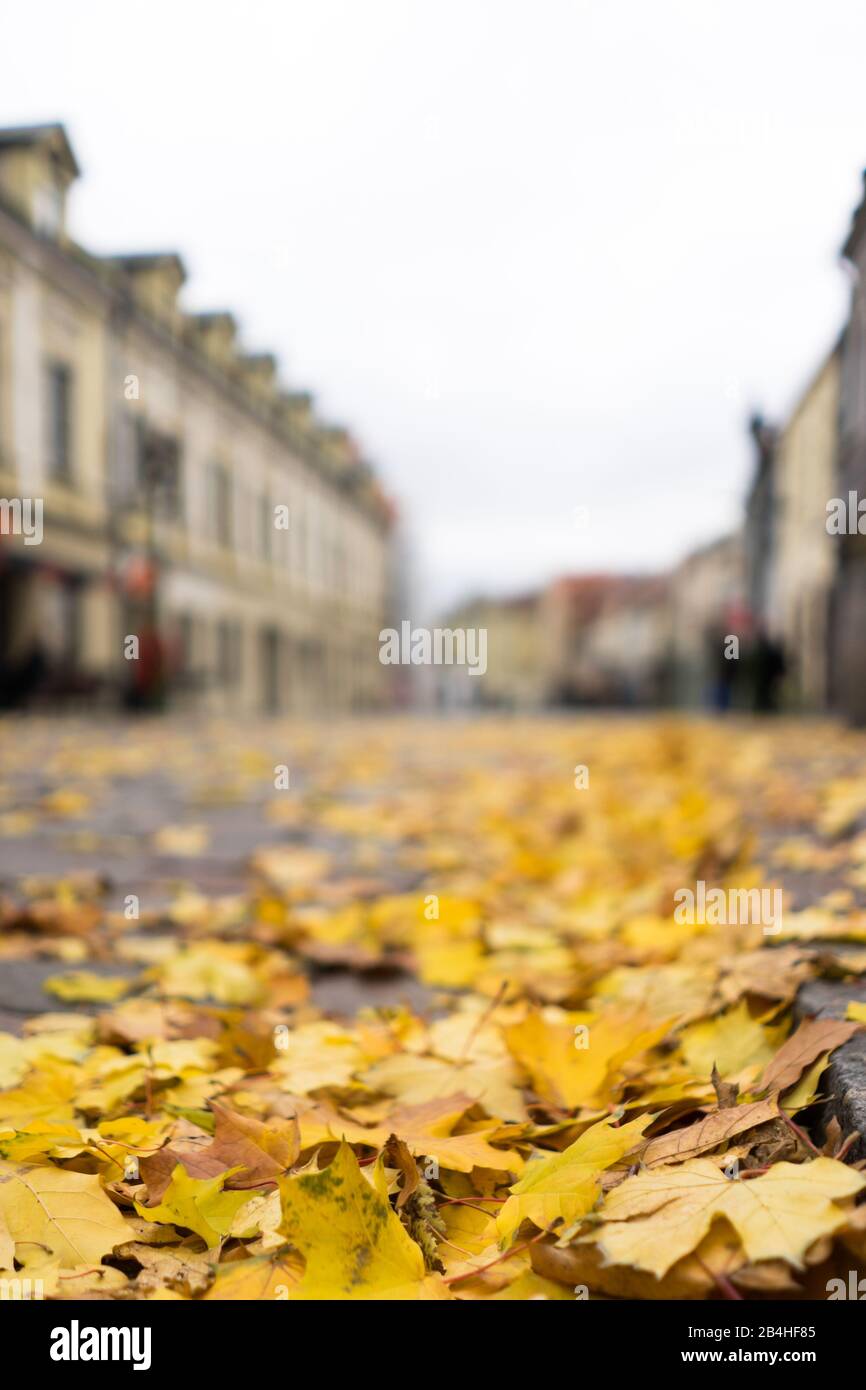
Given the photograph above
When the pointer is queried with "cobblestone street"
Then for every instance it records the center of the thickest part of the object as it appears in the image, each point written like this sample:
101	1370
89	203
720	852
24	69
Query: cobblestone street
133	808
164	807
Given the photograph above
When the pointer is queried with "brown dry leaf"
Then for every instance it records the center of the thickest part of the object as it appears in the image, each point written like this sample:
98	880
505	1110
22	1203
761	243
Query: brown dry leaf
709	1132
156	1169
719	1256
775	974
187	1271
814	1036
426	1129
395	1154
261	1151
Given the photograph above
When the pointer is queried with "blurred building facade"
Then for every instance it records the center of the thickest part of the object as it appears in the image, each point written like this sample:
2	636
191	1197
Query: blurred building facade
607	640
848	617
707	593
568	609
761	523
596	640
516	672
188	500
798	604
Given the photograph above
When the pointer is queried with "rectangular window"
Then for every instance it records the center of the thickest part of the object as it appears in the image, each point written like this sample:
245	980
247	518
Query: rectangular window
302	546
59	420
228	651
186	632
265	527
125	465
48	209
160	478
219	505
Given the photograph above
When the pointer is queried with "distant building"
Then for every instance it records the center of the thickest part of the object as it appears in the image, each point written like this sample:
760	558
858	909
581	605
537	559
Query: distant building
629	647
606	640
707	593
189	500
570	607
515	675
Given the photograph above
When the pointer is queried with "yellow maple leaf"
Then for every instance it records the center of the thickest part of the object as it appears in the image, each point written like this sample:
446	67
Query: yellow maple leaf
529	1285
223	970
198	1204
51	1212
471	1242
731	1042
566	1185
85	986
45	1094
354	1244
490	1080
448	963
261	1276
566	1075
317	1054
14	1059
41	1137
655	1218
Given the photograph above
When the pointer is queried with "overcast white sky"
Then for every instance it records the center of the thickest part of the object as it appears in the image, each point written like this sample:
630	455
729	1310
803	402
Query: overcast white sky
538	254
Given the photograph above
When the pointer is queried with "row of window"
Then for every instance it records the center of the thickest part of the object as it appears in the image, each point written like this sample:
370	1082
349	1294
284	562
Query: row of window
239	519
147	466
227	650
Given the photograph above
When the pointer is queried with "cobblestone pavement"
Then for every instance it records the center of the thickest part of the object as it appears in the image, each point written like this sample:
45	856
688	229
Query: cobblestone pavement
139	777
152	806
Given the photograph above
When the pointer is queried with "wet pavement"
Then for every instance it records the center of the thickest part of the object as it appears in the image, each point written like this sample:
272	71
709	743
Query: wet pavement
113	839
214	788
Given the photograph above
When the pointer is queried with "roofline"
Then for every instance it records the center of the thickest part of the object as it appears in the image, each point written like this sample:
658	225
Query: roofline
32	134
148	259
98	272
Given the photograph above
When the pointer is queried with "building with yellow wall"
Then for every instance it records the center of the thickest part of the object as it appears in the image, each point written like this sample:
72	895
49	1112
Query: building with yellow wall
805	556
514	675
184	491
